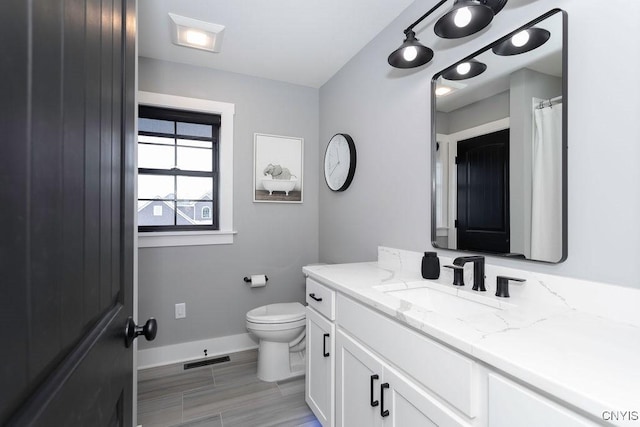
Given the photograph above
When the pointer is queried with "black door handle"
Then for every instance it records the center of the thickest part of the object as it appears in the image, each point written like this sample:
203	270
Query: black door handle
383	412
132	331
315	298
374	403
324	345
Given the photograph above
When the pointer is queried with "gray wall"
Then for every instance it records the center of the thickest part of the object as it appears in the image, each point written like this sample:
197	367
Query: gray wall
525	84
275	239
442	122
481	112
387	111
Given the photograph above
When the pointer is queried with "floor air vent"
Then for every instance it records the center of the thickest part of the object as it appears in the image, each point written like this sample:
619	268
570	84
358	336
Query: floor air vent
206	362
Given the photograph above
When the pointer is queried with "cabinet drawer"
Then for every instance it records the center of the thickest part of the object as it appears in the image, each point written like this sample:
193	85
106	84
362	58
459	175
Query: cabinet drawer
321	298
444	371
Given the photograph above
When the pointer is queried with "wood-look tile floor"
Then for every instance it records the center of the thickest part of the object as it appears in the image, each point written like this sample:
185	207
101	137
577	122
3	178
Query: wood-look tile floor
228	394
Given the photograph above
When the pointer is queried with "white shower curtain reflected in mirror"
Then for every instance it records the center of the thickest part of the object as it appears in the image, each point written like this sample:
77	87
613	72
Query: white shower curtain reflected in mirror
546	203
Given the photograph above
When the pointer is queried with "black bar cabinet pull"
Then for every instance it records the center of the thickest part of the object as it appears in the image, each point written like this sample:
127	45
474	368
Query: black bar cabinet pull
374	403
324	345
315	298
383	412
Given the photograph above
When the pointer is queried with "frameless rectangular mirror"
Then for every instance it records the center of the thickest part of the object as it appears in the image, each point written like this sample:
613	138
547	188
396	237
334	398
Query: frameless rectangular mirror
499	146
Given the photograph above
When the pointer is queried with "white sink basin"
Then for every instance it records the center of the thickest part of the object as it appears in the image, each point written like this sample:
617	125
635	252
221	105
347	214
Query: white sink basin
442	302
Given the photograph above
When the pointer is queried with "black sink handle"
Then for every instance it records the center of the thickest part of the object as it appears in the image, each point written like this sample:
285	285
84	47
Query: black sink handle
502	285
458	274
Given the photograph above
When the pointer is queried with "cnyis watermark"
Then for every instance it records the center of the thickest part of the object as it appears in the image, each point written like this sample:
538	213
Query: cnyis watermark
620	415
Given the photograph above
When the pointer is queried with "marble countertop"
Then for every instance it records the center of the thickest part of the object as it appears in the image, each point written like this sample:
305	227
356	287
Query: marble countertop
587	360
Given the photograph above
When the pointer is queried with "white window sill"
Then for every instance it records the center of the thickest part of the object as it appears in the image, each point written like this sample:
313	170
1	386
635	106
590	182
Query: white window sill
184	238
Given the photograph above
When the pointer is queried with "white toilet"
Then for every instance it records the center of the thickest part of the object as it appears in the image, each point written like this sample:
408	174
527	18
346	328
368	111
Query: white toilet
281	329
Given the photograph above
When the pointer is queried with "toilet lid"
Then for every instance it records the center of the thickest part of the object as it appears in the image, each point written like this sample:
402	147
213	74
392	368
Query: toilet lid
277	313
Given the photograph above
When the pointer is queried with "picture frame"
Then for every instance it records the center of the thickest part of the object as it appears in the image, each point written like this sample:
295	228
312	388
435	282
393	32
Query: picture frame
277	168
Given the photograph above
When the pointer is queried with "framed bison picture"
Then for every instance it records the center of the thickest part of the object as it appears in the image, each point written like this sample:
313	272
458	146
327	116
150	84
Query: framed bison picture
277	168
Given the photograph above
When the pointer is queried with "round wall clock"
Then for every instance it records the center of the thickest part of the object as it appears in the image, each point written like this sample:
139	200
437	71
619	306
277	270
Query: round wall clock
340	162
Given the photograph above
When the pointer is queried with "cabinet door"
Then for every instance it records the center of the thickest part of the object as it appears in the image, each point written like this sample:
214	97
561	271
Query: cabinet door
511	404
409	405
319	387
358	379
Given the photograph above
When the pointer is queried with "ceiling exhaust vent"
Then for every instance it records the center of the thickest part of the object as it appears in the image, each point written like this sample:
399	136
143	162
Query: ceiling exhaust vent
196	34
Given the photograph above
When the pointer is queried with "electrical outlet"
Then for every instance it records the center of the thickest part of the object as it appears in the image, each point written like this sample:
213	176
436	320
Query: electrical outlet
181	310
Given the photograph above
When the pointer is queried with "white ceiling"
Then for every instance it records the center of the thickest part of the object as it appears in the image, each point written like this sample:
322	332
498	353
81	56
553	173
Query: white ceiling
303	42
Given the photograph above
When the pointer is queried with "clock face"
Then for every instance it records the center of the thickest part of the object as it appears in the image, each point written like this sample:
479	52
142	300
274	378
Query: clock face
340	162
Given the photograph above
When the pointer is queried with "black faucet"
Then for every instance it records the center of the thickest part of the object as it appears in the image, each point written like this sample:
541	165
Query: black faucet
478	270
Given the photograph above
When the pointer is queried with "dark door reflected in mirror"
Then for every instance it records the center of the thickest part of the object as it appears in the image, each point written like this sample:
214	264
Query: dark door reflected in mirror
499	155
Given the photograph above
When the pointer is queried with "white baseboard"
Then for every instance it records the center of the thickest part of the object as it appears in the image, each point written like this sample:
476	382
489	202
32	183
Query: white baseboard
193	350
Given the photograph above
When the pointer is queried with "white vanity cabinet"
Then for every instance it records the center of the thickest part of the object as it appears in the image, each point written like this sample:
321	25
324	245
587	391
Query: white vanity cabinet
365	368
320	357
370	392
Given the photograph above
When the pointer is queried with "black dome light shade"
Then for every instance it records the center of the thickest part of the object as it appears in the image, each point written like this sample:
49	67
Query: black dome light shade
411	54
496	5
523	41
466	17
465	70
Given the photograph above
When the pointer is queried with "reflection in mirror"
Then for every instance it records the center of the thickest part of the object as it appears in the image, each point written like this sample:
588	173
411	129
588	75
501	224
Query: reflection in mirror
499	147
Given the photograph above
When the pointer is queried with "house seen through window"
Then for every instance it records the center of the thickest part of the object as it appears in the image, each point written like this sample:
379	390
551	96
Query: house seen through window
206	212
178	171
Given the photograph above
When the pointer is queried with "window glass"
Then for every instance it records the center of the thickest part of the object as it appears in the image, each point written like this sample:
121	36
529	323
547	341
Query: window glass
156	139
156	156
191	188
156	213
155	187
155	126
206	212
194	159
194	129
194	143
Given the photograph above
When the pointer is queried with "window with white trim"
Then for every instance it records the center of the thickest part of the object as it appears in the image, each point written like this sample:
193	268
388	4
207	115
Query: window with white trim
223	216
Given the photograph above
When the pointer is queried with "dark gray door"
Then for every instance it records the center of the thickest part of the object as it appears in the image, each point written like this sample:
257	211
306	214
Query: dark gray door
483	193
66	166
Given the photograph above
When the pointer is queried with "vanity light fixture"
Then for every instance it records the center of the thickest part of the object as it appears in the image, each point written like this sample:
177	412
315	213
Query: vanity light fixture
412	53
465	70
197	34
466	17
523	41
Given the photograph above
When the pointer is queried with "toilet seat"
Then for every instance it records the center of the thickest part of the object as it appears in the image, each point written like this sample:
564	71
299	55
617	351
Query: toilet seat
277	313
280	326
